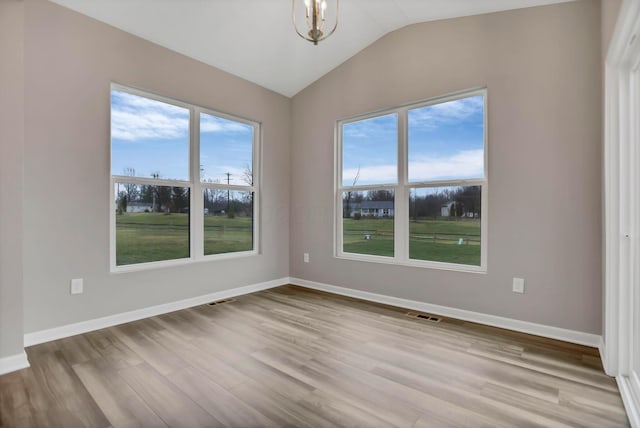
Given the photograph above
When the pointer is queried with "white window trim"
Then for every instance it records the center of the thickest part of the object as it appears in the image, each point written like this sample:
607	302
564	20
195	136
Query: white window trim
196	187
402	188
620	348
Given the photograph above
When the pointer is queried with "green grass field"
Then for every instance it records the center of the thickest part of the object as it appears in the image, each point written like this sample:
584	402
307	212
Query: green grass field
150	237
434	240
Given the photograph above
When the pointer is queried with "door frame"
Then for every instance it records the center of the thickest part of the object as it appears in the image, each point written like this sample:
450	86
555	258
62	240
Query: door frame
621	349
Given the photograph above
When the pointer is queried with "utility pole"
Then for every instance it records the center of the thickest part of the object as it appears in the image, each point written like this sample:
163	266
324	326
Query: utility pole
155	175
228	174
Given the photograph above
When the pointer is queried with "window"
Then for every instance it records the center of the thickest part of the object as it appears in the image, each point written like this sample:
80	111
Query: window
183	179
412	184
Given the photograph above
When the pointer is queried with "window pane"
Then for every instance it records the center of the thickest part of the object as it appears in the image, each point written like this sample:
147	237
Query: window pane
444	224
149	138
370	151
226	151
446	140
367	223
152	223
228	221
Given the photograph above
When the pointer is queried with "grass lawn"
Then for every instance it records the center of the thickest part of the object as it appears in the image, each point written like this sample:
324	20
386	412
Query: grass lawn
149	237
227	235
434	240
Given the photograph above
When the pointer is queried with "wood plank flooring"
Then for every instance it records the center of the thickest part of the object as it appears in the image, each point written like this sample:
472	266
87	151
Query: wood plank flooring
295	357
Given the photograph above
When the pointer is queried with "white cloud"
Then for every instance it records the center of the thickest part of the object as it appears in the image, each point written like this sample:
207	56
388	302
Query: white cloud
373	174
462	164
431	117
133	126
137	118
377	126
210	123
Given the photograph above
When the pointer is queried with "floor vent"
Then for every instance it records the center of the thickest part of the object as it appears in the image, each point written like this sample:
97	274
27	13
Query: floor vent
427	317
220	302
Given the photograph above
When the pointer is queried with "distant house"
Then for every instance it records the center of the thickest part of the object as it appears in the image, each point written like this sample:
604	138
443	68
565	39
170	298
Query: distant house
374	209
446	209
139	207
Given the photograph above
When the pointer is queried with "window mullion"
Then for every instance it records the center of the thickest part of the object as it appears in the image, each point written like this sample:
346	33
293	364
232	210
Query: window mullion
460	244
401	215
196	215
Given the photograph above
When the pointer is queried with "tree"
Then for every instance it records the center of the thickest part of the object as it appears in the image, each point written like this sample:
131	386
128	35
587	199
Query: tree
380	195
180	196
164	199
131	190
467	201
122	202
347	209
213	196
247	175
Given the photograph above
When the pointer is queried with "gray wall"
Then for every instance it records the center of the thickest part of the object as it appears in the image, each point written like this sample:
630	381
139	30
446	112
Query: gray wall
70	60
544	163
11	145
542	70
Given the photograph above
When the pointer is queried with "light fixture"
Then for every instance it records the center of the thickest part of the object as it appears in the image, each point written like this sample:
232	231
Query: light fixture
316	12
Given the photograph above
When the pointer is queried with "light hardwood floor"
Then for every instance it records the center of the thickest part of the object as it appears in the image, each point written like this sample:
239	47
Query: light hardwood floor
295	357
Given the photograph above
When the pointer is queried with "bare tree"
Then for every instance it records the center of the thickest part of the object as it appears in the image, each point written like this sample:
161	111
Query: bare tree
347	212
131	191
247	175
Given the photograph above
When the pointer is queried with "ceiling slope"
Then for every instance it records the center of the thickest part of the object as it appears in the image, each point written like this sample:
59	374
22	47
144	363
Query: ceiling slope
255	40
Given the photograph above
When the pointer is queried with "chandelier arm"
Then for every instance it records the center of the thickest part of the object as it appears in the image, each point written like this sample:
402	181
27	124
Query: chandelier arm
304	36
295	25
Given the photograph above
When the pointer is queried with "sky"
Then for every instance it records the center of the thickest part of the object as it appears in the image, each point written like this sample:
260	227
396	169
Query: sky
446	141
150	136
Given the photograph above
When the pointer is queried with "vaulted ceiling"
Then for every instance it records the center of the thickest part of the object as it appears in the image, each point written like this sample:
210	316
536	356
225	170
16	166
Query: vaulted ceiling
255	39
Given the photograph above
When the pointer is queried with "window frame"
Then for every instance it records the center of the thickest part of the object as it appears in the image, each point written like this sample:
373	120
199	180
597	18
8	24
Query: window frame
194	184
403	186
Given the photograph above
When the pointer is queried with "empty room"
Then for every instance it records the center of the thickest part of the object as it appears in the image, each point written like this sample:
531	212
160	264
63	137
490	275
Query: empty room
317	213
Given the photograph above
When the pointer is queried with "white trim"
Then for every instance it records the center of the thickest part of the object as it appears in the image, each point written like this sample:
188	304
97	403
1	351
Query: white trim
194	184
35	338
628	387
368	258
622	209
402	187
572	336
55	333
602	349
14	363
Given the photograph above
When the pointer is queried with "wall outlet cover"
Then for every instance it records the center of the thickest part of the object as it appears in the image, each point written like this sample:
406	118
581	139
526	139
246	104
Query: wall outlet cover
518	285
77	286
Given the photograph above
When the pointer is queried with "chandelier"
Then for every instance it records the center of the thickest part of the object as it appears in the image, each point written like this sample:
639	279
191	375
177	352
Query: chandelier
315	14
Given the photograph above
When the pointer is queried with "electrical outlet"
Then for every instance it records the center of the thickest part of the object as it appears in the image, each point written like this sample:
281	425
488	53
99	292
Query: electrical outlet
306	257
77	286
518	285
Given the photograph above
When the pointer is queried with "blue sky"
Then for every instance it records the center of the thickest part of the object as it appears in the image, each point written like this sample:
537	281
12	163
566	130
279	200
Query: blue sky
151	136
445	142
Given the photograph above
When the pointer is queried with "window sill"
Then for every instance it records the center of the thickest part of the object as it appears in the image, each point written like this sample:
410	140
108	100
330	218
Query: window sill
150	266
412	263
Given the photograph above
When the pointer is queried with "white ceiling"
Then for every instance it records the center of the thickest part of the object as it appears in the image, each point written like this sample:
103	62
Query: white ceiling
255	39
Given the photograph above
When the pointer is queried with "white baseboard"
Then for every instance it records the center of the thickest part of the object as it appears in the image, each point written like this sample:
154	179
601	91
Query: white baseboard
628	386
13	363
602	349
571	336
55	333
